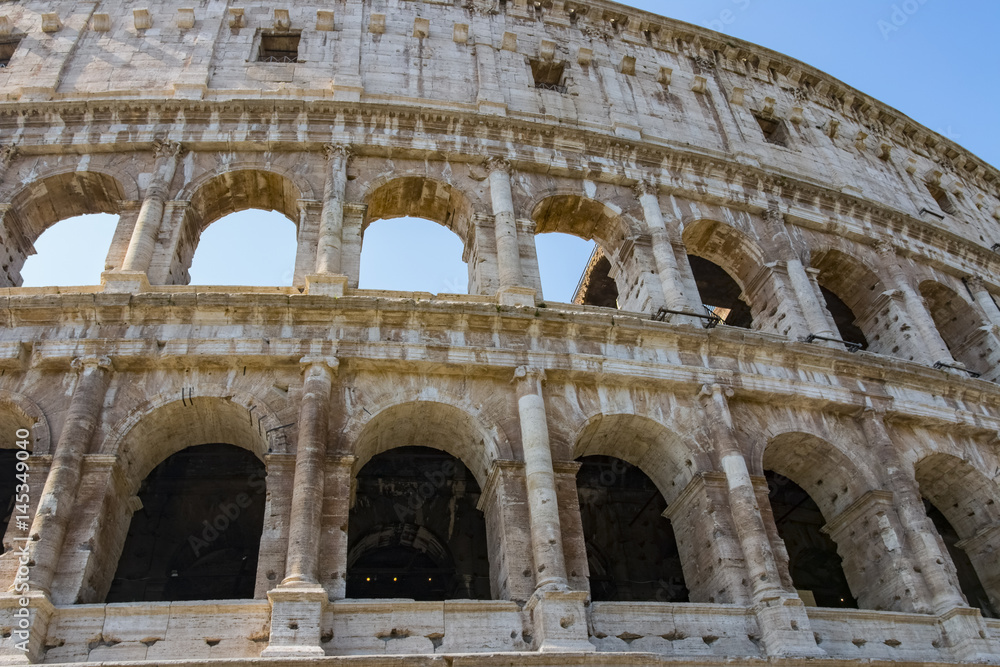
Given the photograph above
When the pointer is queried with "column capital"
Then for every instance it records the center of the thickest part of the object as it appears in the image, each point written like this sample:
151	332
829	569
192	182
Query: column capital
332	151
7	153
884	249
529	373
714	389
975	283
499	163
166	148
309	362
645	187
99	361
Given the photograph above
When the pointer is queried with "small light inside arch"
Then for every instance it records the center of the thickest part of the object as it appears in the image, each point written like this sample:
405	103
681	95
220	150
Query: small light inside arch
394	578
368	578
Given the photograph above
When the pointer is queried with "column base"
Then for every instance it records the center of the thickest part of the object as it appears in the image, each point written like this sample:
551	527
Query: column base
560	621
28	625
125	282
296	621
785	629
968	637
516	296
326	284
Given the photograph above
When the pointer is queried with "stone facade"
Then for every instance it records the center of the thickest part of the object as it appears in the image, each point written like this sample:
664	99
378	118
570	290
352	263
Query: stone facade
708	170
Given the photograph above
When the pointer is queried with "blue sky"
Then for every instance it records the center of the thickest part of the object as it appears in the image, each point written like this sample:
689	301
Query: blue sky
933	60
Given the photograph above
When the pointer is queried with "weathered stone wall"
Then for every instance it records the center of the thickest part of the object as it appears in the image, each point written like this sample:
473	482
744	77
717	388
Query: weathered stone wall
661	143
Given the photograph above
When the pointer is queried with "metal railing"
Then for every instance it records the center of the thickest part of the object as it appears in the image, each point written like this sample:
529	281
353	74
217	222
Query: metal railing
851	347
277	59
940	365
711	321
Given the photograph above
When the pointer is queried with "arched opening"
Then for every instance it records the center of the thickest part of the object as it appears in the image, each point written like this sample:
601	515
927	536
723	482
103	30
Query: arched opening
960	326
196	533
815	567
251	247
844	319
811	485
58	259
574	270
613	275
55	199
232	192
720	294
968	580
631	550
413	255
863	312
965	510
414	530
723	262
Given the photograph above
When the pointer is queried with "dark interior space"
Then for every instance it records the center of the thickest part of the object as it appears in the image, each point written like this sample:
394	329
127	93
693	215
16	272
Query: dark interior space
720	293
600	288
968	580
813	561
631	550
414	530
8	485
198	532
844	318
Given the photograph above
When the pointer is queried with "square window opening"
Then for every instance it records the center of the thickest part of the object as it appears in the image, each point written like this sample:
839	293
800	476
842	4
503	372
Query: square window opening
774	130
548	75
944	202
278	47
7	48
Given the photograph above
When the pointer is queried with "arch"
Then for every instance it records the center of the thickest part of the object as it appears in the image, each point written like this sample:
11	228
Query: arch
830	477
197	533
966	496
859	288
960	325
419	197
151	433
725	262
18	411
669	460
969	503
632	553
810	484
726	246
228	192
49	200
415	529
431	424
581	216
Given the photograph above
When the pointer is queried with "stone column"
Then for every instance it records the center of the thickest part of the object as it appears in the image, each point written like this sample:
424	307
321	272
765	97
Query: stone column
329	275
558	614
147	225
543	507
924	548
815	315
674	293
310	455
298	603
783	622
332	220
55	507
512	291
985	300
935	349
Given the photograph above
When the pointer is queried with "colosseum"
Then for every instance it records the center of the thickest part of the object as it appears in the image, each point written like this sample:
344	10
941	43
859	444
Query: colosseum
764	432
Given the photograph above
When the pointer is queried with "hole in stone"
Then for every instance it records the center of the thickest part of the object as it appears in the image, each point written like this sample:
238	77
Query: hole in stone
213	641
